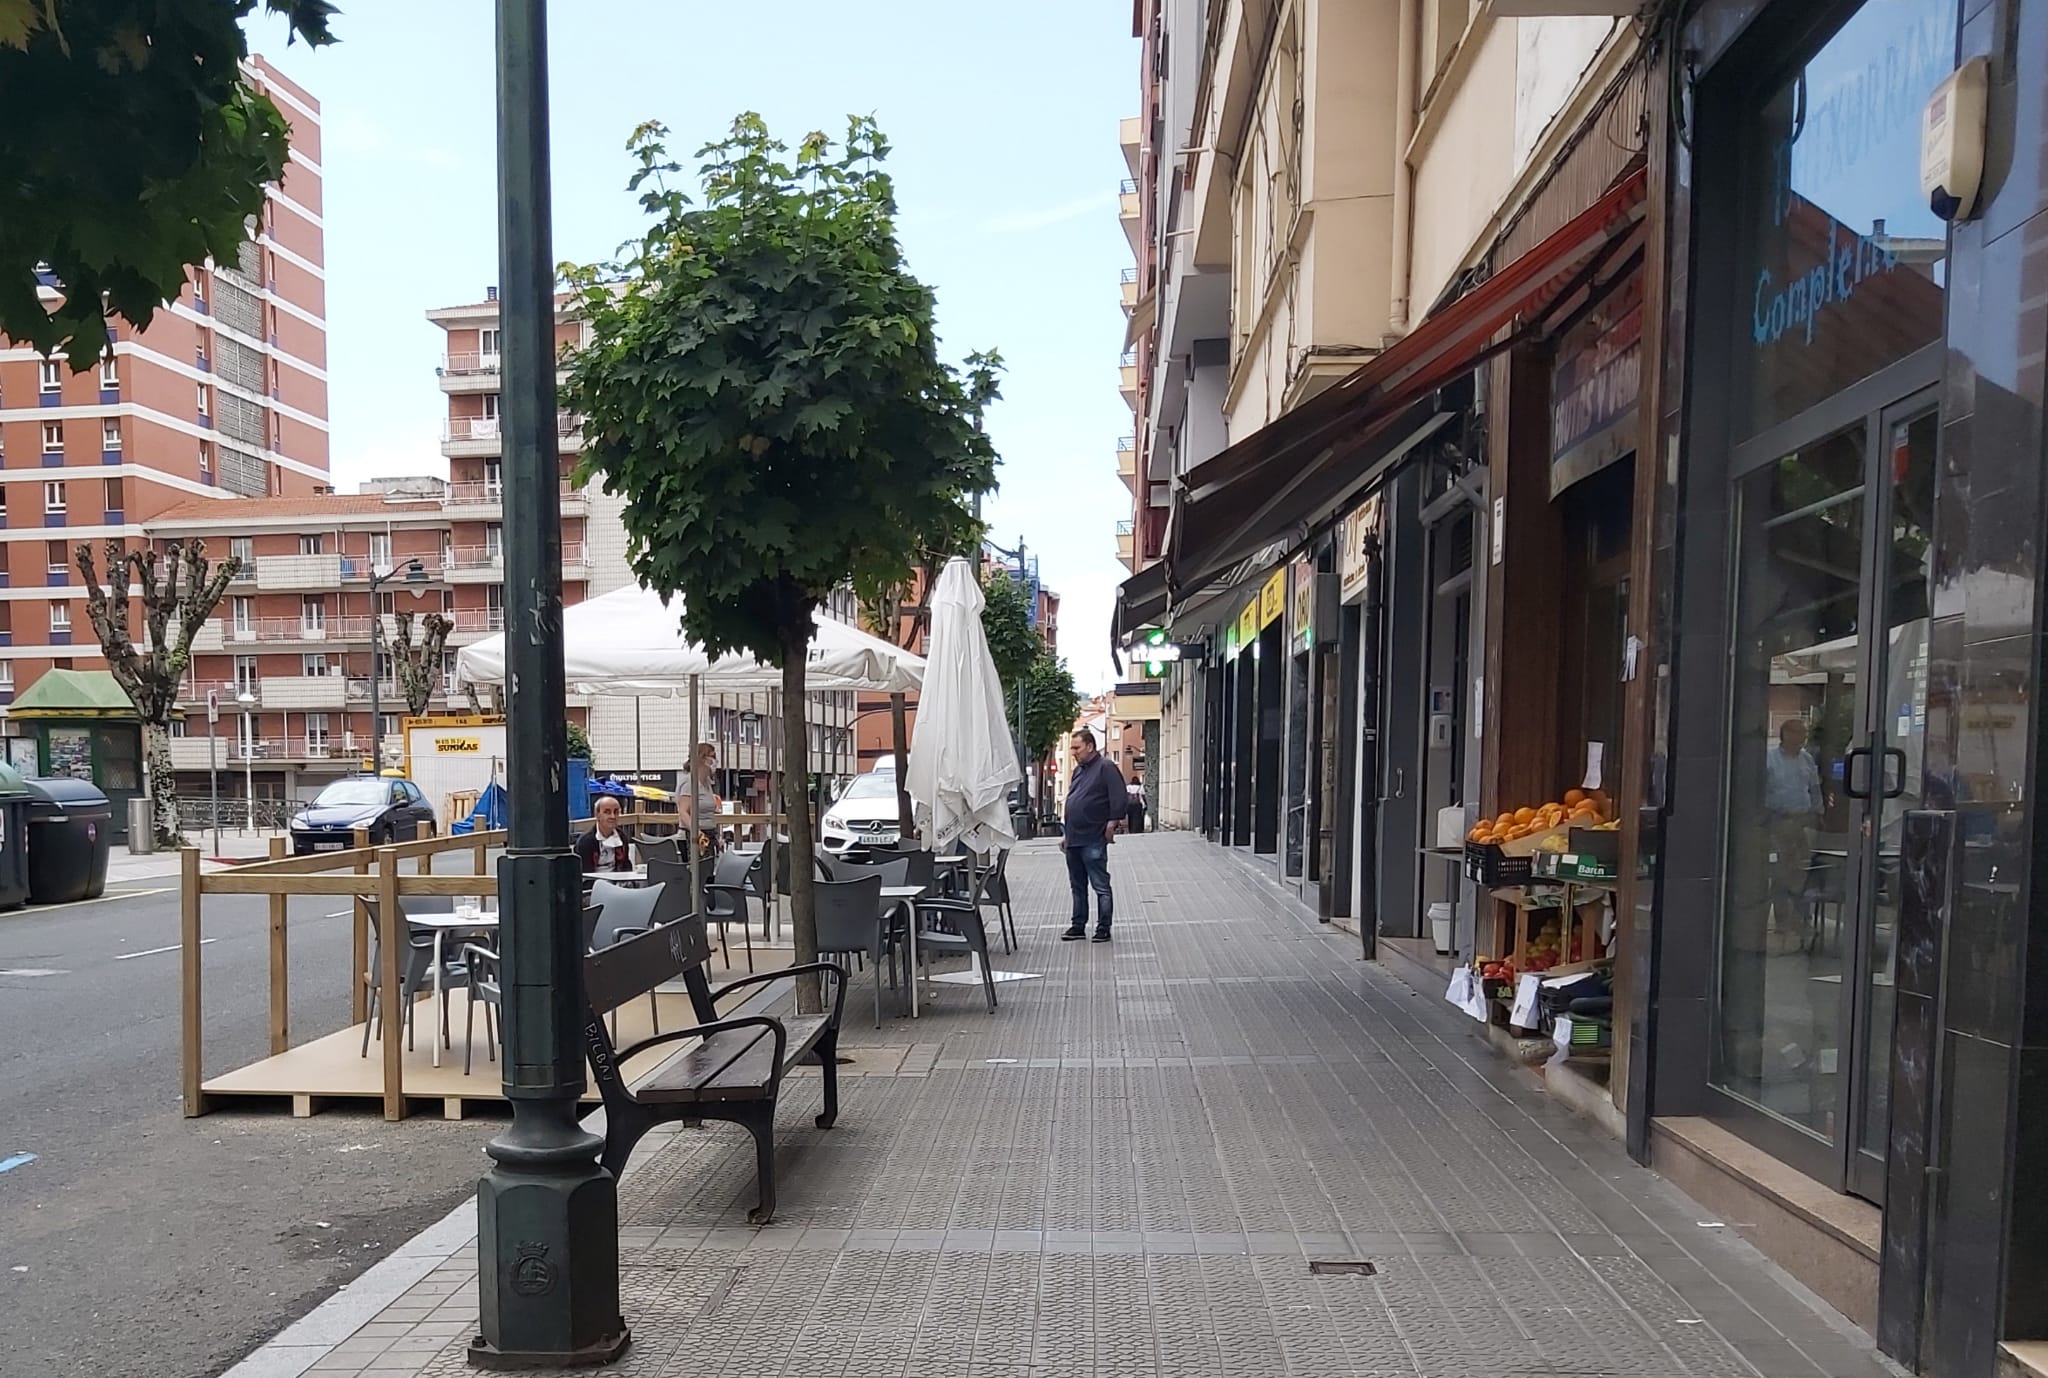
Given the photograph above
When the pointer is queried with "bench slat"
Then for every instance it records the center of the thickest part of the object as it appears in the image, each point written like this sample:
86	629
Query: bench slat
680	1077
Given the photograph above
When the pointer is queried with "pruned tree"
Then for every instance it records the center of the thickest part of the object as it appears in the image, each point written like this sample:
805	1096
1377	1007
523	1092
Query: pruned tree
417	664
1051	703
179	590
761	383
132	150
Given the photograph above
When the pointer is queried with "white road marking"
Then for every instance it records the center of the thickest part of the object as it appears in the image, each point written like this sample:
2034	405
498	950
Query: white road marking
32	971
153	951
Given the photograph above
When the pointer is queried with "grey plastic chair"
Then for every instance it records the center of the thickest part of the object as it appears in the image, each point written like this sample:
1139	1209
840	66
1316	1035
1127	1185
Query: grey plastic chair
850	920
971	938
626	912
653	849
725	901
415	974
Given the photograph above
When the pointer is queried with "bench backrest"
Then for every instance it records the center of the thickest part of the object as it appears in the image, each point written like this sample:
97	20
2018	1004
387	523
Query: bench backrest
616	975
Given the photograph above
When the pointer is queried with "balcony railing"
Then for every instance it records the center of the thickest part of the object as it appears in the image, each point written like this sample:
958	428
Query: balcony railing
362	567
460	428
473	557
469	363
1129	275
479	620
489	494
1128	187
328	629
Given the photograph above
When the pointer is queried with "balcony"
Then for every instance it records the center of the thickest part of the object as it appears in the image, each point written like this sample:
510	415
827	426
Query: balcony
469	373
1127	377
326	631
1130	290
474	624
469	437
312	692
208	637
1129	211
1126	543
1127	458
359	569
485	501
229	752
1130	132
287	573
484	564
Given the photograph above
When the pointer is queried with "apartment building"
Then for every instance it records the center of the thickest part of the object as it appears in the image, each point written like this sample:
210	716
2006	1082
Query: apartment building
644	738
306	623
224	396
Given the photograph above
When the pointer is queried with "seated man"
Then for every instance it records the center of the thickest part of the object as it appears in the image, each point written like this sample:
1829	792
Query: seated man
606	846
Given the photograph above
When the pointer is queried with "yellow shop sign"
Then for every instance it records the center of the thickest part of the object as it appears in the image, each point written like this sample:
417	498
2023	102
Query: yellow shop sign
1273	599
455	746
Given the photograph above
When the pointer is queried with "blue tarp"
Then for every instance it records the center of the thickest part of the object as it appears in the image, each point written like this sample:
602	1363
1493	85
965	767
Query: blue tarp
488	814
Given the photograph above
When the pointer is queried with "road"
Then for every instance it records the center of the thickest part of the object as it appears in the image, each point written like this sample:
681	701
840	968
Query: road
143	1244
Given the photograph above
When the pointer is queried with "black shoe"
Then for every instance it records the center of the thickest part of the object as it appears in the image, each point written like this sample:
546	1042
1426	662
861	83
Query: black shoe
1077	931
1101	935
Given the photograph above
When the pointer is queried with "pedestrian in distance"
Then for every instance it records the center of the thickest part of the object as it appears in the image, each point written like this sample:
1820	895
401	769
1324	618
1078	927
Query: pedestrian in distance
1096	805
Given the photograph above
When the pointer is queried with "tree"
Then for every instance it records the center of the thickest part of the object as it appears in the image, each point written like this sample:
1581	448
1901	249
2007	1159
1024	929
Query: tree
761	383
417	664
1051	703
132	149
179	591
1013	643
579	742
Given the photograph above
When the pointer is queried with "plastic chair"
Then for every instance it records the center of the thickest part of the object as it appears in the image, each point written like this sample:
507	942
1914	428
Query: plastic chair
653	849
993	887
850	920
725	901
971	938
415	974
486	989
626	912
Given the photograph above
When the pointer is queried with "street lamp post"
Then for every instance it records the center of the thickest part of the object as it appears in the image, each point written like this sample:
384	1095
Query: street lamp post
415	573
247	701
547	1212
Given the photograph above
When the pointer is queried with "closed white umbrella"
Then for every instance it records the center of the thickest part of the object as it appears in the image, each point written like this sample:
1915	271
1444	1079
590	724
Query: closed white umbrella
962	762
630	642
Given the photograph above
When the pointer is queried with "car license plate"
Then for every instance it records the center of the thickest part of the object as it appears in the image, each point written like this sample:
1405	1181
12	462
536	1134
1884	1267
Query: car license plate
329	844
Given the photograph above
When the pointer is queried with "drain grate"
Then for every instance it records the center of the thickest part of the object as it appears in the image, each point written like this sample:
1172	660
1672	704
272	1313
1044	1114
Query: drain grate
1342	1267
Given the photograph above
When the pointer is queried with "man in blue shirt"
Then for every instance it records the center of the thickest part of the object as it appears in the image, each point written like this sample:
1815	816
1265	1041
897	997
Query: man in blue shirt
1096	804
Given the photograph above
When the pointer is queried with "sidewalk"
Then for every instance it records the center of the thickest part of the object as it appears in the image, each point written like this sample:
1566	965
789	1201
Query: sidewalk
125	867
1129	1168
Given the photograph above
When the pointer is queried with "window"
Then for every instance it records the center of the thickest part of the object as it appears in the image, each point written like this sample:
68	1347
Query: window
245	671
243	549
110	434
114	496
7	675
53	496
487	344
276	430
490	406
60	617
53	375
53	557
380	549
205	458
313	666
494	542
447	548
313	615
311	545
494	608
245	618
387	724
53	437
201	403
110	373
180	728
316	734
494	478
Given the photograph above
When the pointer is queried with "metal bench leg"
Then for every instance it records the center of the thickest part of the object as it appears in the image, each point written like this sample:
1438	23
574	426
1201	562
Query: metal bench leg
623	1126
469	1034
759	1120
828	1059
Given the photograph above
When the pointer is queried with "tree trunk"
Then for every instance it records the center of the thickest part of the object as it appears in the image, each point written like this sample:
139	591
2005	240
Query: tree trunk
796	804
163	790
899	720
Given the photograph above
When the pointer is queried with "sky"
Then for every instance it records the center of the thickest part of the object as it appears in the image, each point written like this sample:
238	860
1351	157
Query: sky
1004	125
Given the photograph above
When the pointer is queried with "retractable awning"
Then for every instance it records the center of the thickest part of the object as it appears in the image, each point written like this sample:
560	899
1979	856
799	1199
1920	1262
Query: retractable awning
1293	472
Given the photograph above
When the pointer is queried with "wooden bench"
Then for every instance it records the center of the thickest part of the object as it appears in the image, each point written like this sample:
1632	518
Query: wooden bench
735	1070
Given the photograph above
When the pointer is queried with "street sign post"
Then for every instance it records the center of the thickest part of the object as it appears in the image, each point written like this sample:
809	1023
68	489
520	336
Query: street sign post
213	760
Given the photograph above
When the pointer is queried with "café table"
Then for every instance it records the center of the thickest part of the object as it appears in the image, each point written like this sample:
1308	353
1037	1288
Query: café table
467	917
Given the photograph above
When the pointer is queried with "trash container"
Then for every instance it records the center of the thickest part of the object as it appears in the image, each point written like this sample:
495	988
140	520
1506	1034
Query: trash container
14	802
70	826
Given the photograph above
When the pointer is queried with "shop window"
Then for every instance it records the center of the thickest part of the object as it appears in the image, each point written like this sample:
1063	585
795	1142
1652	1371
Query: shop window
1842	268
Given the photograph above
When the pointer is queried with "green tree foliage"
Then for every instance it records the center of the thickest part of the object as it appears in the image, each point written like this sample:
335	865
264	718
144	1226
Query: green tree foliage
131	149
579	742
1051	703
1013	643
762	384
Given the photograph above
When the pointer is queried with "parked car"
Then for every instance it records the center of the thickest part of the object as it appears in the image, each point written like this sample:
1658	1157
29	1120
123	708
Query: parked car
864	816
390	808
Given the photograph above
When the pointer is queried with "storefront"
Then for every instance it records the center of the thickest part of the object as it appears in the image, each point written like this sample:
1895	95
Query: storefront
1841	668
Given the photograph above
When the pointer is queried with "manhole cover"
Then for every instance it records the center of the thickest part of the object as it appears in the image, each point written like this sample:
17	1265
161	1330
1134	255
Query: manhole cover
1342	1267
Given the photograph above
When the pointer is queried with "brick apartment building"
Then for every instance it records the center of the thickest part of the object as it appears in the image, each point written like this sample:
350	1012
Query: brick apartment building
224	396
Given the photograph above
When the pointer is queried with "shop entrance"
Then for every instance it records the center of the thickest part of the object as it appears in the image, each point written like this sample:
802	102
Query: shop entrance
1827	721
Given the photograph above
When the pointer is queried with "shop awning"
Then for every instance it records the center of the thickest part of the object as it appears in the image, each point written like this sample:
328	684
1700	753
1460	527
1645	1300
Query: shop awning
1369	415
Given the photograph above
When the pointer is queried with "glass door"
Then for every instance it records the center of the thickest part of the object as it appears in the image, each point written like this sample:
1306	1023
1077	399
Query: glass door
1827	715
1885	777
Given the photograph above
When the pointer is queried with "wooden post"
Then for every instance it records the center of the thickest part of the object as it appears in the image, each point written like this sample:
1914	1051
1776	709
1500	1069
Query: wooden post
477	857
359	974
188	976
391	939
425	865
280	966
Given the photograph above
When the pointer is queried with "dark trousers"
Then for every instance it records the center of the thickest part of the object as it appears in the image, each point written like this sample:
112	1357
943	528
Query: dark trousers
1088	869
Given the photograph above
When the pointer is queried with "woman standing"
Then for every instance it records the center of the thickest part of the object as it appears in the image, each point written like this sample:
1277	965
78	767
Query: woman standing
700	802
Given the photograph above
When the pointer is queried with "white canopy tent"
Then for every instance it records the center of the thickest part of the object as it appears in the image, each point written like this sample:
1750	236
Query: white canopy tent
630	642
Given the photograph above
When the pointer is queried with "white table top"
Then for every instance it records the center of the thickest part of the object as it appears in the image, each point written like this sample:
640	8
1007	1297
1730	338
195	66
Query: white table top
904	892
447	919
